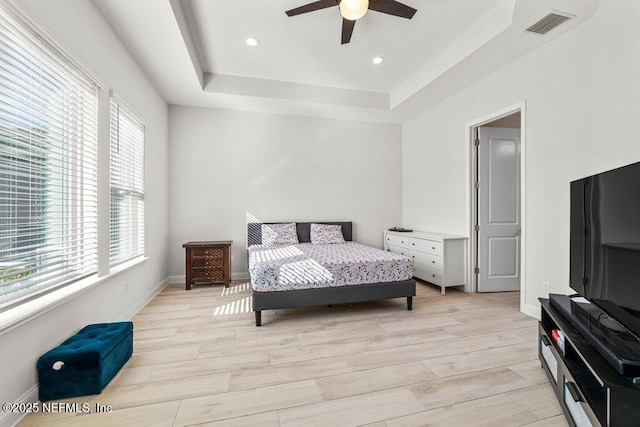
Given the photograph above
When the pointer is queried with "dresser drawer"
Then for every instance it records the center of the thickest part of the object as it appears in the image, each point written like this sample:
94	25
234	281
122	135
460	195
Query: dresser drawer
438	258
211	253
433	262
399	241
200	262
433	247
209	274
430	275
399	250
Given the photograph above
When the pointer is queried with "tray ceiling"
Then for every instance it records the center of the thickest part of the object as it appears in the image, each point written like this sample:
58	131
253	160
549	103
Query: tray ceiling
195	52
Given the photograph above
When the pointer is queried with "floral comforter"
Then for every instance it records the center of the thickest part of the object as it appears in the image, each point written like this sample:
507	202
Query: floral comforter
305	266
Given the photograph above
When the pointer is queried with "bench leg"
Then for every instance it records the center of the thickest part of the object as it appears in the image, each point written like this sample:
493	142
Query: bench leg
258	317
409	303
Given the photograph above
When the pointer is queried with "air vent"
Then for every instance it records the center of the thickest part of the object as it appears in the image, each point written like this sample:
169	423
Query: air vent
547	23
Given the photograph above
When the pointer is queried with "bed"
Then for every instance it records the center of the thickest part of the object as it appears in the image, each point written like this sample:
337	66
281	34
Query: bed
305	274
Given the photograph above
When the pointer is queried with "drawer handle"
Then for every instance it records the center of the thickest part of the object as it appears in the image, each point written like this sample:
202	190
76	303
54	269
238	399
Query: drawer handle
403	241
573	390
545	341
433	262
413	244
433	247
433	275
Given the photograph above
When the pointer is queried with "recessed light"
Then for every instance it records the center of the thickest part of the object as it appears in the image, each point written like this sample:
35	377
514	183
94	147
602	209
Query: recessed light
377	60
251	41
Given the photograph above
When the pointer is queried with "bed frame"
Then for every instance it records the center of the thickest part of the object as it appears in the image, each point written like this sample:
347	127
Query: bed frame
323	296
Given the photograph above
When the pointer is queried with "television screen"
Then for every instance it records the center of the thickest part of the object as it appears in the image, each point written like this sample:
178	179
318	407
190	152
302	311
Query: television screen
605	241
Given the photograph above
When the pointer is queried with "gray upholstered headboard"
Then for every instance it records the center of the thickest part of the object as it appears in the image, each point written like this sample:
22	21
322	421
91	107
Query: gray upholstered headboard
254	230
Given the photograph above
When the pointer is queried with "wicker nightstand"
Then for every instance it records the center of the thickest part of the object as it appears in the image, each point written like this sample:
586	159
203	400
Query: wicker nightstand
207	262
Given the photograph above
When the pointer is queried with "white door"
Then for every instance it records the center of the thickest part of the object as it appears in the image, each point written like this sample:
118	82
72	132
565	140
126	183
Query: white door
498	209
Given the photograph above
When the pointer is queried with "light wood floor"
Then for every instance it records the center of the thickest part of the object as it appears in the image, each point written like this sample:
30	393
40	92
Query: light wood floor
455	360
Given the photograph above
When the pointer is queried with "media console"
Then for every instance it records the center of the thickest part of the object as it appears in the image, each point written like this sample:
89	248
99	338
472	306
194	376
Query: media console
619	346
589	389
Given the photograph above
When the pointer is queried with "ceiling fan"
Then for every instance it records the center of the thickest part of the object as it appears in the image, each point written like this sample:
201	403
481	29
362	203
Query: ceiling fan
352	10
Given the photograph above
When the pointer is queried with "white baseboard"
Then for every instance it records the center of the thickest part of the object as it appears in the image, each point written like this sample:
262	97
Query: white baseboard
176	279
8	419
234	276
132	311
240	276
532	310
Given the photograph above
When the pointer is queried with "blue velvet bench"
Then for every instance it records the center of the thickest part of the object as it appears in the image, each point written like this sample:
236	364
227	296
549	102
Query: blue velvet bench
86	362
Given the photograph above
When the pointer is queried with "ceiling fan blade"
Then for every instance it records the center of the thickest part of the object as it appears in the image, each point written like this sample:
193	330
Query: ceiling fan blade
347	30
392	7
312	7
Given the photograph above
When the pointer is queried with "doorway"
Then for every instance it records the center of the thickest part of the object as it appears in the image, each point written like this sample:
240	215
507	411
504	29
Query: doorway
497	202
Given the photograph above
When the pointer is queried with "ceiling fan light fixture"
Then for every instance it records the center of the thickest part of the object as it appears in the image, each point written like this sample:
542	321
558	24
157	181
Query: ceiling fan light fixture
353	9
377	60
252	41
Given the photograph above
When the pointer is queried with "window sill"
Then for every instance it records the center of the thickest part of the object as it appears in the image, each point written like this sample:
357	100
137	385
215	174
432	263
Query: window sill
27	311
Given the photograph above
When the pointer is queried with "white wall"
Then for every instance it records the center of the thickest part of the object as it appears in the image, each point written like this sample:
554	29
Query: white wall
78	27
225	163
582	94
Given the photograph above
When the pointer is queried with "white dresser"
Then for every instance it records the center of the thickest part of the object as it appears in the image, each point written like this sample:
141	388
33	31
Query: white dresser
440	259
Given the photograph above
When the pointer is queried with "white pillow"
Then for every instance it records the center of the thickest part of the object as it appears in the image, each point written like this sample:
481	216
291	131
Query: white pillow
323	234
279	234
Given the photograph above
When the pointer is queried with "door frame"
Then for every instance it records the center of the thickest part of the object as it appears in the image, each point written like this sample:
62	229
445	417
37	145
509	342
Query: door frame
472	285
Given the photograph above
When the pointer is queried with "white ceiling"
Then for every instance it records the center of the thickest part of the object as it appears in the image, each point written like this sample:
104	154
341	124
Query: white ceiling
306	48
195	52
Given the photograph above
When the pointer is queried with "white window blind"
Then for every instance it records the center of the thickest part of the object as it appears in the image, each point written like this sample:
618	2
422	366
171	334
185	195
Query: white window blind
127	184
48	165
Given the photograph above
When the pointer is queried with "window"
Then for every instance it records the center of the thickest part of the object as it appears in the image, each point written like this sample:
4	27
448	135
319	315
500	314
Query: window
127	184
48	165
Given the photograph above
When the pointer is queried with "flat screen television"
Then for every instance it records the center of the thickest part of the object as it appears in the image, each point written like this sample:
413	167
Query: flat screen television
605	243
